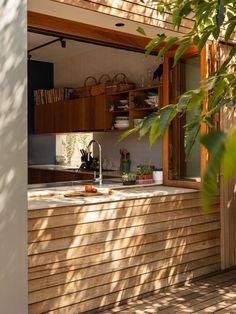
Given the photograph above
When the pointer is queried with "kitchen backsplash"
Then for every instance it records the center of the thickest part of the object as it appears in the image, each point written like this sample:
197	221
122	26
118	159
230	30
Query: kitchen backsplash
140	151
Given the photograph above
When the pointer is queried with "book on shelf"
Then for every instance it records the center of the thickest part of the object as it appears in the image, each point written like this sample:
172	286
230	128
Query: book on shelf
46	96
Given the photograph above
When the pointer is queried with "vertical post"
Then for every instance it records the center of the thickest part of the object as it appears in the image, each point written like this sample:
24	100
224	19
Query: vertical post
13	143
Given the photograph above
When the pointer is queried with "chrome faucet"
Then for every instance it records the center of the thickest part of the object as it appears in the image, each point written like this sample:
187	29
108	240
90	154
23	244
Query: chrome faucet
99	179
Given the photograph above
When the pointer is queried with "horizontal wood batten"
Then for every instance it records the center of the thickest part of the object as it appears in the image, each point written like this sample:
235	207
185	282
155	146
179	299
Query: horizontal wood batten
163	204
100	236
113	276
130	292
129	253
38	259
95	269
86	257
138	12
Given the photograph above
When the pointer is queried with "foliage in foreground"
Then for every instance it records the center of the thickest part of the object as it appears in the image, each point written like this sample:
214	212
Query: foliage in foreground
212	20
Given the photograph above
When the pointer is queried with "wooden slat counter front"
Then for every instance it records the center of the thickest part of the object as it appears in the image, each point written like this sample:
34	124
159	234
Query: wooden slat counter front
92	254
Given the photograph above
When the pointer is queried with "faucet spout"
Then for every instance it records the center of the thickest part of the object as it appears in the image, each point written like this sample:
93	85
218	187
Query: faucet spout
99	179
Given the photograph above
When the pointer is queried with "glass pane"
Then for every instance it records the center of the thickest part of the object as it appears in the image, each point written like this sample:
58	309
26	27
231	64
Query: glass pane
184	76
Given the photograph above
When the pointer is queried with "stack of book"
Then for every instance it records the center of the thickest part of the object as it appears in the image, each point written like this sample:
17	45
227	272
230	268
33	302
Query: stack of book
46	96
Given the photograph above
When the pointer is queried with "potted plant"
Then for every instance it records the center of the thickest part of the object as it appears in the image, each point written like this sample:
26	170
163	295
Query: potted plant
147	174
129	178
144	174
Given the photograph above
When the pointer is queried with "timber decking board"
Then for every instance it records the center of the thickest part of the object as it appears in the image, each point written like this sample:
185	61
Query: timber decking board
215	294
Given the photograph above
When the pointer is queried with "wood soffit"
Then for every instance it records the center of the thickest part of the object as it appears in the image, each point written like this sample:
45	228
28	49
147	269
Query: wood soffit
47	25
131	10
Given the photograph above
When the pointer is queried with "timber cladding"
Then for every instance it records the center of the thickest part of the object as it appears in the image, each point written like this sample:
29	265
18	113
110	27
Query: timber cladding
83	258
136	11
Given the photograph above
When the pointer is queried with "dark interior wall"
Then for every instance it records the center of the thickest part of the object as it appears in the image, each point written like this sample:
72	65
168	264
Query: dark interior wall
41	148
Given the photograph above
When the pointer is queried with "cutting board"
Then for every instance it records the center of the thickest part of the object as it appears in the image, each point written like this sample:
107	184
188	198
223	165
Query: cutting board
82	193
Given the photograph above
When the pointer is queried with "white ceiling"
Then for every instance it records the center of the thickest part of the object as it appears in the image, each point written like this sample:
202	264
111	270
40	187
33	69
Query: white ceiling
54	50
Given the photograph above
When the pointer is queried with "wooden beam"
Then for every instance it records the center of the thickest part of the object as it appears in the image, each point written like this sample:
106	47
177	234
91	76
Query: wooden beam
75	30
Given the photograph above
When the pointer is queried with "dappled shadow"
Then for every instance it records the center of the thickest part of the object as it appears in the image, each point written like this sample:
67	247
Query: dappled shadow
13	139
88	257
138	11
208	295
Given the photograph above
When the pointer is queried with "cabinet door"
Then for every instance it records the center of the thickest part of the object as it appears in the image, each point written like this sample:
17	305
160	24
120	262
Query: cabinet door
80	114
62	117
100	115
44	118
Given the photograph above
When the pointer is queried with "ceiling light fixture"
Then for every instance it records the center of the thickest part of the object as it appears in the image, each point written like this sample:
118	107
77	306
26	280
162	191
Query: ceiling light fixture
62	41
120	24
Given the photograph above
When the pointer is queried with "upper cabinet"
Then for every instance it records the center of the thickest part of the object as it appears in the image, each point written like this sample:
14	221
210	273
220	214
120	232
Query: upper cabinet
82	114
97	113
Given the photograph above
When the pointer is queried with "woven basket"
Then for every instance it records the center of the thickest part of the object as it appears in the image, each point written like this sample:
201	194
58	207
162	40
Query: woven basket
120	83
100	87
124	84
85	90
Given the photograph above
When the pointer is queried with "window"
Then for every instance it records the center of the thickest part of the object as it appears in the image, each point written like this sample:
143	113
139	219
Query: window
69	146
186	75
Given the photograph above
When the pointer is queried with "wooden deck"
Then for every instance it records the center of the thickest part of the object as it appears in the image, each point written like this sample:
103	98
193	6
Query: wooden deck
215	294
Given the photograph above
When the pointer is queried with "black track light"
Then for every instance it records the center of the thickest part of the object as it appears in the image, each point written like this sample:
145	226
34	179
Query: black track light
63	43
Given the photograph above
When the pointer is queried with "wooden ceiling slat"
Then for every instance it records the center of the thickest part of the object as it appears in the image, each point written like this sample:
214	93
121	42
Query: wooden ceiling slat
131	11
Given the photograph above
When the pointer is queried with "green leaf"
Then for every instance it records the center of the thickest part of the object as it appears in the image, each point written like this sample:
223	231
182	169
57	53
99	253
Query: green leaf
154	43
220	13
203	40
141	31
196	100
215	144
191	133
147	122
216	32
171	41
154	131
217	93
183	101
208	121
166	116
181	49
161	8
230	155
126	134
176	18
210	83
230	30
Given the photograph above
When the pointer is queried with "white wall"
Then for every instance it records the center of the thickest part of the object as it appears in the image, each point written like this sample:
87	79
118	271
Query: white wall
140	151
80	60
13	204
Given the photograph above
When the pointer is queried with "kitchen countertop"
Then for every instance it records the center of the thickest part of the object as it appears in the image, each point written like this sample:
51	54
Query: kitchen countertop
54	197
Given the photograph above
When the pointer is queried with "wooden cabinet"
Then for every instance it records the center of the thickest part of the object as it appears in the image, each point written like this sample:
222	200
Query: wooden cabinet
94	113
101	118
82	114
36	176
